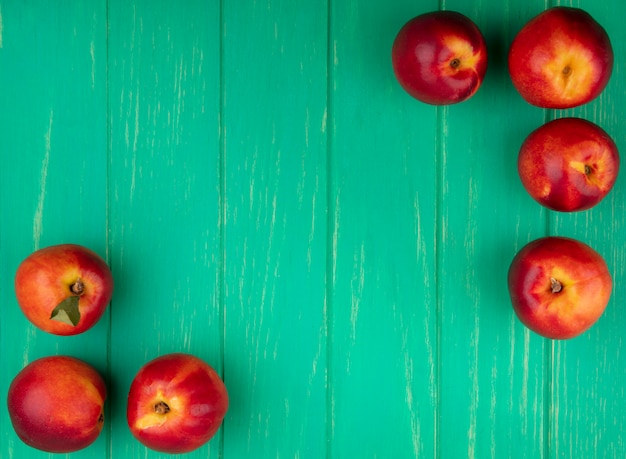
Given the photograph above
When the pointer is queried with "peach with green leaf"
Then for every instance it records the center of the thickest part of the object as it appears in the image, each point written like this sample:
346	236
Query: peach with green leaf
63	289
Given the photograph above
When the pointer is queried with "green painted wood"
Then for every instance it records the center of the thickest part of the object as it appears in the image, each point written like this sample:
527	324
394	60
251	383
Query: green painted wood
272	201
275	241
383	205
53	171
491	366
165	197
587	373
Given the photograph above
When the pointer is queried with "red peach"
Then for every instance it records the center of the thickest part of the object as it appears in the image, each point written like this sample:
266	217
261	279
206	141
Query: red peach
440	57
561	58
559	287
63	289
56	404
176	403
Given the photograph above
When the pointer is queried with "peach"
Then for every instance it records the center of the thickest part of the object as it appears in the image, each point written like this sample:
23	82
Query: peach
568	164
63	289
561	58
440	57
559	287
176	403
56	404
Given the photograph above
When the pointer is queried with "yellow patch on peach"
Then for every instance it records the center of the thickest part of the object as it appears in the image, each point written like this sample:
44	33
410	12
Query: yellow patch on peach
93	393
545	190
597	165
463	52
570	72
70	276
66	382
155	419
70	410
570	304
581	168
552	271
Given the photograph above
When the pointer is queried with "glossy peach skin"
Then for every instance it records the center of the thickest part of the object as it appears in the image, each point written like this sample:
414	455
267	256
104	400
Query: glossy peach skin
561	58
44	278
545	264
176	403
440	57
568	164
56	404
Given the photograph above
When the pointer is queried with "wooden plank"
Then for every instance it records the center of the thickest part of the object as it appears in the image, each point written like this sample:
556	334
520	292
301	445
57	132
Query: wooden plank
274	69
53	170
165	193
587	410
492	368
383	214
272	201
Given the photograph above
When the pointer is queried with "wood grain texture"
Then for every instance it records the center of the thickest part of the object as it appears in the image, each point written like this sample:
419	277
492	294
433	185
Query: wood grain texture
271	200
383	356
587	418
165	194
274	127
53	170
491	365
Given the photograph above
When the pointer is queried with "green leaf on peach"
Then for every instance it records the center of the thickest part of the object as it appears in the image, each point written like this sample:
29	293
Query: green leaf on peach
67	311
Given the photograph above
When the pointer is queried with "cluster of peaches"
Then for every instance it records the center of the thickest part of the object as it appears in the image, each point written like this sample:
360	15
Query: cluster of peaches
559	287
562	58
175	404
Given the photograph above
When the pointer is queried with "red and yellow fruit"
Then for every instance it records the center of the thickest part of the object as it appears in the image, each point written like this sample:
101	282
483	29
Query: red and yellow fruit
568	164
63	289
56	404
440	57
561	58
176	403
559	287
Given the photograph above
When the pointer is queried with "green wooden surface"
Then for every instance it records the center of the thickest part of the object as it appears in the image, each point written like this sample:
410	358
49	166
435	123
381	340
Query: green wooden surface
271	200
